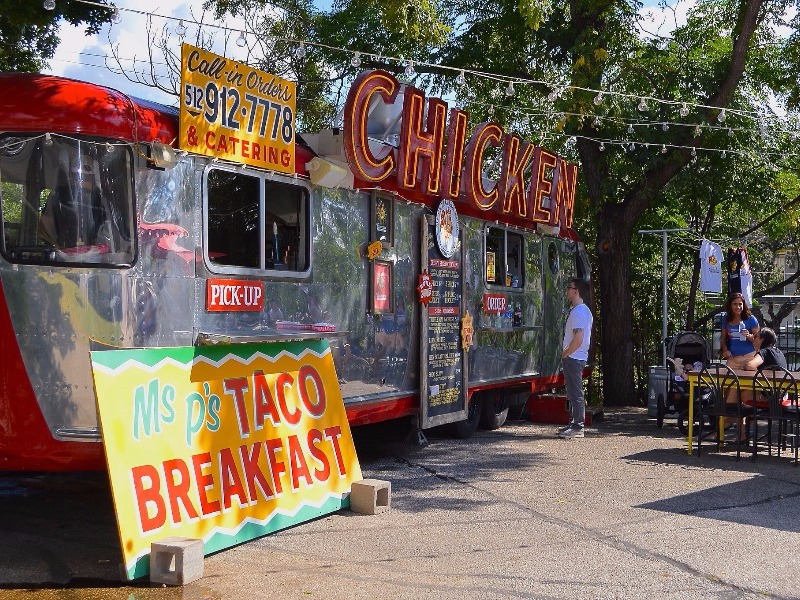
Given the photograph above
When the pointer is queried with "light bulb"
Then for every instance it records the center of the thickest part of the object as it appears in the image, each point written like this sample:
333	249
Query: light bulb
510	89
633	146
356	62
665	127
694	151
630	128
48	140
300	51
721	116
49	4
180	29
109	147
115	16
241	40
697	131
552	96
724	154
490	110
663	149
684	110
596	122
602	147
598	100
461	79
730	132
642	105
409	70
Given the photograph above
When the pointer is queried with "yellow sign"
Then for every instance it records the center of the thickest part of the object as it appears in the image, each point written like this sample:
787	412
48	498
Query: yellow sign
374	250
466	331
223	444
232	111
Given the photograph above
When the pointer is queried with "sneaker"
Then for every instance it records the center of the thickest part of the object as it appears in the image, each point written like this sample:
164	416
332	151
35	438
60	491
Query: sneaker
571	432
563	429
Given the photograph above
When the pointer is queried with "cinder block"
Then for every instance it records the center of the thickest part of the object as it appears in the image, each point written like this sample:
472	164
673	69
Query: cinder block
371	496
176	561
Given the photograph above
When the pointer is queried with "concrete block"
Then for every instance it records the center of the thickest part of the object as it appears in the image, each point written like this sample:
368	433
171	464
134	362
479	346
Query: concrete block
176	561
371	496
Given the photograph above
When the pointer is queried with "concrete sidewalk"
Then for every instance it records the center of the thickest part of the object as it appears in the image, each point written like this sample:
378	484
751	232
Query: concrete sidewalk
513	513
518	513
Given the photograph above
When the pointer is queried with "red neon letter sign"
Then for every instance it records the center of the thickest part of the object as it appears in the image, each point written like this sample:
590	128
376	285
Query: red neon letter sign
484	134
415	142
541	186
356	110
511	187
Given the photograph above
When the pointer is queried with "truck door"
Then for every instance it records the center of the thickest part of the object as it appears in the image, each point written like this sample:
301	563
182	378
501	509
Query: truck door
558	266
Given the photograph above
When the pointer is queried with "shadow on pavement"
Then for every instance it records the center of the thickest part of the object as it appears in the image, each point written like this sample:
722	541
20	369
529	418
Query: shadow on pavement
741	502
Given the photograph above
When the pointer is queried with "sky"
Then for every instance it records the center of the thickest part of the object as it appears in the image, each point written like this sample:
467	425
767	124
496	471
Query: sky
85	58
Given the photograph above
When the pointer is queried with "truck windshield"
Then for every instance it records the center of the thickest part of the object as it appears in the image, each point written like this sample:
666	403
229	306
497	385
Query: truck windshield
66	200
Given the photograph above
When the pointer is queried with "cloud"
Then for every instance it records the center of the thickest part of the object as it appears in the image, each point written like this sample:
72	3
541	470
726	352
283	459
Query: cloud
661	20
89	58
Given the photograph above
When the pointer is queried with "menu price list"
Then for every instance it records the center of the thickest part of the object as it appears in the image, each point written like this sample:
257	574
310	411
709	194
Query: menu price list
444	337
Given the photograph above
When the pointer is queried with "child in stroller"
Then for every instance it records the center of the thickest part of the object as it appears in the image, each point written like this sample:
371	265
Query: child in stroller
686	351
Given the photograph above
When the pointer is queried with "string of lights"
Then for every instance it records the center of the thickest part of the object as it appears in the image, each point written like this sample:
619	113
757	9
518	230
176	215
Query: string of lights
557	91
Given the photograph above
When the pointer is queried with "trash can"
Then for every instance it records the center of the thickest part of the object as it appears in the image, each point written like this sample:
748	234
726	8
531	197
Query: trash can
657	386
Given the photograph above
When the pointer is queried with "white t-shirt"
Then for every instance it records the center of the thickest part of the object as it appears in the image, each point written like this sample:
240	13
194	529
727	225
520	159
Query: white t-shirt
580	317
710	267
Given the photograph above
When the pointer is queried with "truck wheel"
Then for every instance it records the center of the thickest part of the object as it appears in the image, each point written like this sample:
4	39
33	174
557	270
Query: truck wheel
464	429
492	418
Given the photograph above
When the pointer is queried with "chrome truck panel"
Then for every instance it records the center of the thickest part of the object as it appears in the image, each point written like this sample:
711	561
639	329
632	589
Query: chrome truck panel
63	313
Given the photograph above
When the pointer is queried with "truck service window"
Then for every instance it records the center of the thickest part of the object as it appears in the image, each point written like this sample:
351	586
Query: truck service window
66	200
504	260
256	223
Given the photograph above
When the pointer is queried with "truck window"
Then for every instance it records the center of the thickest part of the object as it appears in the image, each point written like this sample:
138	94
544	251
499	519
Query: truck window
256	223
66	200
504	258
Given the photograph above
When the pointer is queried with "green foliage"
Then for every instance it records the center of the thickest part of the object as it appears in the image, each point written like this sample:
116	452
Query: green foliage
29	32
534	12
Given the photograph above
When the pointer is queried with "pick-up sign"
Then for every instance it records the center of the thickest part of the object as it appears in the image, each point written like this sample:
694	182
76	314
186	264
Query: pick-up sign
234	295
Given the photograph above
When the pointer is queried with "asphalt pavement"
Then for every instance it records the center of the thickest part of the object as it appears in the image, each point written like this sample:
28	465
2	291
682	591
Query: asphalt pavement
512	513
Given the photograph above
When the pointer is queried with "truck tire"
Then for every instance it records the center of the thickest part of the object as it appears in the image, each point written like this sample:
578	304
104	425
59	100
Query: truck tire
492	418
466	428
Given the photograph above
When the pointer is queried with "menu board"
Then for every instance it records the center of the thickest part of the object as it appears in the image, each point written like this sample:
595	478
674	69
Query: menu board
443	387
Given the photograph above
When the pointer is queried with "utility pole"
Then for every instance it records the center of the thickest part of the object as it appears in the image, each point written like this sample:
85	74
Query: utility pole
664	235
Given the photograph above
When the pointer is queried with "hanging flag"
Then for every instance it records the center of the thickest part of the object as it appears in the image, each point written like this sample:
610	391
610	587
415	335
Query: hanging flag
746	278
710	267
734	269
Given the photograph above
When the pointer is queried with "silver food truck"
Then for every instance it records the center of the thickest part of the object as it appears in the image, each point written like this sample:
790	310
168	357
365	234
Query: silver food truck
439	289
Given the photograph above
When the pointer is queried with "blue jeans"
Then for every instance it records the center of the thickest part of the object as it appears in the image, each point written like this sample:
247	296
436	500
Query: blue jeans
573	380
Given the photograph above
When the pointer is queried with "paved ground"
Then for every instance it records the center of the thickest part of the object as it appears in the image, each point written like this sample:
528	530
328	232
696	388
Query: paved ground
513	513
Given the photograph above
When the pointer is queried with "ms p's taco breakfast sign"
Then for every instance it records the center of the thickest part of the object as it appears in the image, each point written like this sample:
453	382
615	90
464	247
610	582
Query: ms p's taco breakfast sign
222	443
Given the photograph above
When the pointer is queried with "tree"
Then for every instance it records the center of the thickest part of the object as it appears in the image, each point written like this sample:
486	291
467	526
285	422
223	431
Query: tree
30	32
713	62
718	73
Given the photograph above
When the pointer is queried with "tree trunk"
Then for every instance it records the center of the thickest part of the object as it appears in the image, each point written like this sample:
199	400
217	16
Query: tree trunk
614	267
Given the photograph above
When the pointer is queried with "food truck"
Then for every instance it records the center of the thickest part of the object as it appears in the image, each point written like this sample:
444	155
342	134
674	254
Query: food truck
124	225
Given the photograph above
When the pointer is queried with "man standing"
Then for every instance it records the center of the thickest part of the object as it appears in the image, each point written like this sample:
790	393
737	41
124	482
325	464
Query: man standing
577	337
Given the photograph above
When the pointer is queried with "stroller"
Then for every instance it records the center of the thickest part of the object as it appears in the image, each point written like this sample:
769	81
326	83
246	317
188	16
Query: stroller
686	350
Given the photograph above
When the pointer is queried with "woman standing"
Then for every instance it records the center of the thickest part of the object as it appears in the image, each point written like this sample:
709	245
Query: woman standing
739	328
